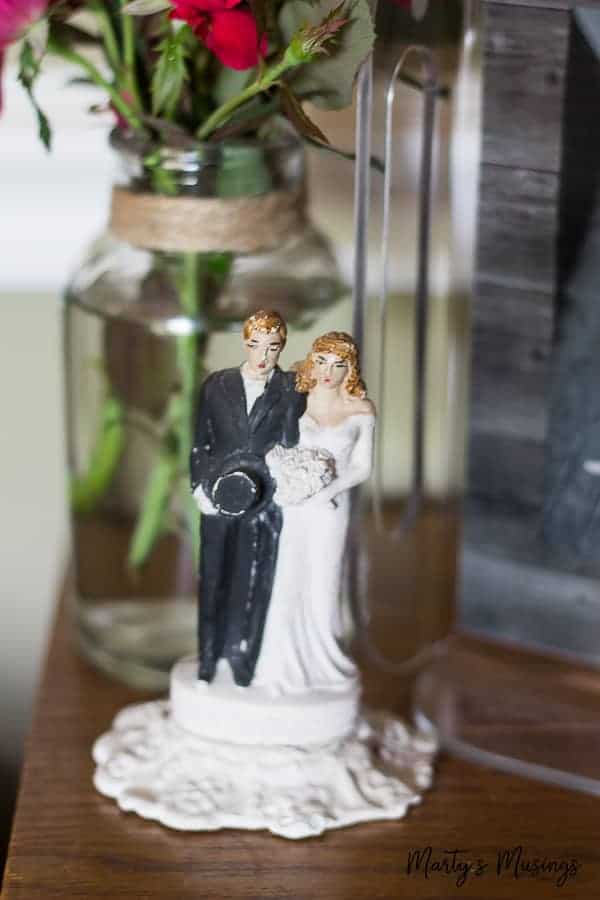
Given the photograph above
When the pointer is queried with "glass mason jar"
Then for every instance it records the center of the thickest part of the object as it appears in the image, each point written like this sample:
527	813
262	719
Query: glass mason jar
198	240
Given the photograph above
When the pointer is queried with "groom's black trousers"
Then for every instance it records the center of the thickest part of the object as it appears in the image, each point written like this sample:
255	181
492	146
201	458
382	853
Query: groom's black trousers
237	568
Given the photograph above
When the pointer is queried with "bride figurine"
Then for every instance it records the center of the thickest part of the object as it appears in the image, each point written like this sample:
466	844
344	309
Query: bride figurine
293	751
302	643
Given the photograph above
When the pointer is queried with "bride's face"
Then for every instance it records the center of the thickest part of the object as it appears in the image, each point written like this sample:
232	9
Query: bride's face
329	370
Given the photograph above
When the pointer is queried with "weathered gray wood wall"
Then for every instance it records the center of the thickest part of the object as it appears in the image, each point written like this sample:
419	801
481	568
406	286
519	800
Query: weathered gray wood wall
525	53
527	48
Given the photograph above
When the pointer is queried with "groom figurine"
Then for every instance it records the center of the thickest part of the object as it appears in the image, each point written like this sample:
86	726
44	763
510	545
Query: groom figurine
242	413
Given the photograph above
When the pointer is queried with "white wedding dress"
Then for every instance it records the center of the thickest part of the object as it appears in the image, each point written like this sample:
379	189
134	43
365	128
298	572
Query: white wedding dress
302	646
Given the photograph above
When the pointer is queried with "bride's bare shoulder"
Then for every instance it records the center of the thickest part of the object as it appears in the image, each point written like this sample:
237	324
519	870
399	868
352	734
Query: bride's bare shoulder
364	407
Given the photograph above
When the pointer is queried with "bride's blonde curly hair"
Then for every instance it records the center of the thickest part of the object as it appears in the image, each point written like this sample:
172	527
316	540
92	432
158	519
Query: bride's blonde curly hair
342	344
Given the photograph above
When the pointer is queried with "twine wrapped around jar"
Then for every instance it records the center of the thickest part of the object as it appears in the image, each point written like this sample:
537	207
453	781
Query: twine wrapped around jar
207	224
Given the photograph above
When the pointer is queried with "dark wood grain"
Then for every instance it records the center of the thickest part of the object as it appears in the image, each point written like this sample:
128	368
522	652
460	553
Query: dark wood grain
525	52
506	468
530	385
510	310
69	842
508	392
518	225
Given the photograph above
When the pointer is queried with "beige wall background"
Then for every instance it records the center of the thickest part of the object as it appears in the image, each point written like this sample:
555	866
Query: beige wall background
50	206
32	518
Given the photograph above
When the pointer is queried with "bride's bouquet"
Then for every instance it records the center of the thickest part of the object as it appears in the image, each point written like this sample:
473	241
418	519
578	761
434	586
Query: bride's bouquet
299	472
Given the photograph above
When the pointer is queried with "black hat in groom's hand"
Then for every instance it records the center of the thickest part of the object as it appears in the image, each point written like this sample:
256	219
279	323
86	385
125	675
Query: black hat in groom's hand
243	486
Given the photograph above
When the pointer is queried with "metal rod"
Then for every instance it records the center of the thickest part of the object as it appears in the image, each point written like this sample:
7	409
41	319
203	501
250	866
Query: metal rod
362	197
431	91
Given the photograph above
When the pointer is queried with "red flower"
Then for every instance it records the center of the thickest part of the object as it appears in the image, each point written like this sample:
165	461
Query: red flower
231	34
233	37
188	9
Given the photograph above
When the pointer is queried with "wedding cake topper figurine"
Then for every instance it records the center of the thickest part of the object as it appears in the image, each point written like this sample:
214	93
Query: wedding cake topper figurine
264	728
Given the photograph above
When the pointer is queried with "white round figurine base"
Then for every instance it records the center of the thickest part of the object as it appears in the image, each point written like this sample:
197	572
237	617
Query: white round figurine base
220	756
222	711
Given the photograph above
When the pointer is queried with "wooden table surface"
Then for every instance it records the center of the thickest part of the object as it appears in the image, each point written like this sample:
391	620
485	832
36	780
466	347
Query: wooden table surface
69	842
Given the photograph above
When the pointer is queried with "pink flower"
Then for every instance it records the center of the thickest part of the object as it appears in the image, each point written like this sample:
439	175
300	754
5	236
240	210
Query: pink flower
15	17
231	34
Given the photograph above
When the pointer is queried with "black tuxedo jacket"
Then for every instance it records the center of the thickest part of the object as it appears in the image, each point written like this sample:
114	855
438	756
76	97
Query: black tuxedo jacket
225	434
238	555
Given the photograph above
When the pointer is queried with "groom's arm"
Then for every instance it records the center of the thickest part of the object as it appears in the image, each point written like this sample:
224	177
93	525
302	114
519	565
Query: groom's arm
294	412
203	446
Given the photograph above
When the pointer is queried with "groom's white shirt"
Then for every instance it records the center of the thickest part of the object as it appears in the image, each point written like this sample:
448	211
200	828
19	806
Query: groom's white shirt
254	388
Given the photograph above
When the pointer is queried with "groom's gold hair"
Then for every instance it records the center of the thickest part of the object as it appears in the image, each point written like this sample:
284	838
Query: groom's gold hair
267	321
341	344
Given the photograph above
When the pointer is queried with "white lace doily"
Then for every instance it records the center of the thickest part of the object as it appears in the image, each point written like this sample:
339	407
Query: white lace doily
156	769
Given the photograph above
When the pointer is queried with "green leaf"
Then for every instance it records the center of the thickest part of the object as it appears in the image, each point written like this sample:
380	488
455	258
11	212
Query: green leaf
146	7
329	79
29	69
170	73
151	522
69	34
88	489
292	109
44	130
249	116
29	66
230	82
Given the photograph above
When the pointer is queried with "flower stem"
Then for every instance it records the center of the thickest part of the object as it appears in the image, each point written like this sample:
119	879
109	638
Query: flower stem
130	78
78	60
170	470
262	83
111	45
302	49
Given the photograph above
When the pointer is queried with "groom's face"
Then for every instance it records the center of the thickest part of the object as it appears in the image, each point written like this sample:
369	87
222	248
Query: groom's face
262	351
